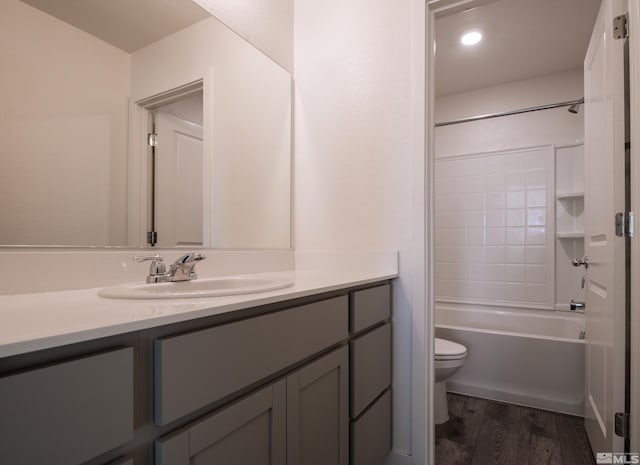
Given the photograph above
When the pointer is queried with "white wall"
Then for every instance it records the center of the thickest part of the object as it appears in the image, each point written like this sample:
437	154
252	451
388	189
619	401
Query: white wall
267	25
247	124
63	127
354	164
538	128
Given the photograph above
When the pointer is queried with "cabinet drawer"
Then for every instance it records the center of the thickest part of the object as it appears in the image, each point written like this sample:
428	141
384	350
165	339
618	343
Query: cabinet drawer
196	369
369	306
371	434
67	413
370	367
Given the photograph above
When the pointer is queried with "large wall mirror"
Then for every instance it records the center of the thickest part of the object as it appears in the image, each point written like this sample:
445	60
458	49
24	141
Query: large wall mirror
85	82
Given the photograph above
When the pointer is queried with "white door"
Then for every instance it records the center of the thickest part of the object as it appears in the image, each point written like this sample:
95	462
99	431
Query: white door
179	173
604	196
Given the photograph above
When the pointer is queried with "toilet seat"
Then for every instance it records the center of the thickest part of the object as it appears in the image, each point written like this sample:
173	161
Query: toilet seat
449	350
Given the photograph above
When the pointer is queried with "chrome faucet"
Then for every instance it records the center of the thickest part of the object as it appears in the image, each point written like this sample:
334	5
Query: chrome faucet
181	270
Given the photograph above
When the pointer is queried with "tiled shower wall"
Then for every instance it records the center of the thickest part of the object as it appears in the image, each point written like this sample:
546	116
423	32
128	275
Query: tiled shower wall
495	228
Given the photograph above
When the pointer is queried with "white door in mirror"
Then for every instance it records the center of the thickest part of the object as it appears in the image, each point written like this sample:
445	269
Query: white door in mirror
179	164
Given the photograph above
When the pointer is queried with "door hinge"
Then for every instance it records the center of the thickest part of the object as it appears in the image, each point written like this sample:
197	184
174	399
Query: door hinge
152	237
621	424
152	140
624	224
620	27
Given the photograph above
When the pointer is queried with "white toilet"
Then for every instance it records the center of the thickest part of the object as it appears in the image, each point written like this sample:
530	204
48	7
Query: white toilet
449	358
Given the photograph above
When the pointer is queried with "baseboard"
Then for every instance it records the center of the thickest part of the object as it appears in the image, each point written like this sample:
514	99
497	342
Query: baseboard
514	398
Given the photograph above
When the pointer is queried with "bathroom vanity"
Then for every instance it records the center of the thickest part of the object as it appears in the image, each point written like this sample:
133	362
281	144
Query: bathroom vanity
289	378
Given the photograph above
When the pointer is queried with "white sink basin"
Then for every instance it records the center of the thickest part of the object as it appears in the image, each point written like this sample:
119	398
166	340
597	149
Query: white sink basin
209	287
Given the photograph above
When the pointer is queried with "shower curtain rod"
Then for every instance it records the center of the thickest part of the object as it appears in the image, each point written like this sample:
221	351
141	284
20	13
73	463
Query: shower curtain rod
513	112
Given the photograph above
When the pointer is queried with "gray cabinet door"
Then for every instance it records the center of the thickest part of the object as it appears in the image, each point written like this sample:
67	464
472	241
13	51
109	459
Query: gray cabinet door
318	412
251	431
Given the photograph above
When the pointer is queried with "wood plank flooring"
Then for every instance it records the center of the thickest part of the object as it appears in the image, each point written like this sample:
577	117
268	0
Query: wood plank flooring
483	432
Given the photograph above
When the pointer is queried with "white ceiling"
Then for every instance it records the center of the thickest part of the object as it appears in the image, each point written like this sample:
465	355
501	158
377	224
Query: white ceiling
521	39
127	24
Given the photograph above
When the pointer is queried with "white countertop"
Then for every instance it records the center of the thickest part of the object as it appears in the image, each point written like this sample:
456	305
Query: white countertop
30	322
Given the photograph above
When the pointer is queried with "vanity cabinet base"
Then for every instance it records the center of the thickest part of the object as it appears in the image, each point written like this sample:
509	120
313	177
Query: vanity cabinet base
288	383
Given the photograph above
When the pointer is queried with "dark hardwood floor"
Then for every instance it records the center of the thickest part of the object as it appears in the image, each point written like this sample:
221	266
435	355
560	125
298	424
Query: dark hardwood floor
482	432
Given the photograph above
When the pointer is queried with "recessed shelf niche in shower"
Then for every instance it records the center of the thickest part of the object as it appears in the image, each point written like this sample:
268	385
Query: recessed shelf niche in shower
569	223
569	214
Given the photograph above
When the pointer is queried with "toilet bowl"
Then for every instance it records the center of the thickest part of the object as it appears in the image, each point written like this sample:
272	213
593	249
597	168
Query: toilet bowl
449	358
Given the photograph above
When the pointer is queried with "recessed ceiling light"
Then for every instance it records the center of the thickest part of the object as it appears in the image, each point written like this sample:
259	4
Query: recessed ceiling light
471	38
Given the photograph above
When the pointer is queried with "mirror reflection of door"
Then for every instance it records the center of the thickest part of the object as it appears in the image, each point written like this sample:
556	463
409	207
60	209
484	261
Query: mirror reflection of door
177	211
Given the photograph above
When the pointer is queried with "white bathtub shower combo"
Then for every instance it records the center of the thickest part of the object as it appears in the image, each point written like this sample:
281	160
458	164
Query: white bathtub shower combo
507	224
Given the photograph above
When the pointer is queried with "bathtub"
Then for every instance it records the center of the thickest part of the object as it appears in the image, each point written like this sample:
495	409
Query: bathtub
532	358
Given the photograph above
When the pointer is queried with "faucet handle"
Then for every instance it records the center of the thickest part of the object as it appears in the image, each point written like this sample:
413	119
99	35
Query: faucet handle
584	261
191	257
157	267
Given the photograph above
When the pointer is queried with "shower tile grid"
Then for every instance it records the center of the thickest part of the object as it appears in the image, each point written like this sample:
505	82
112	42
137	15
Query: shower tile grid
483	432
494	228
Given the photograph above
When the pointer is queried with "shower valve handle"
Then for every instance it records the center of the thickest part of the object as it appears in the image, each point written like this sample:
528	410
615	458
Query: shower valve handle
584	261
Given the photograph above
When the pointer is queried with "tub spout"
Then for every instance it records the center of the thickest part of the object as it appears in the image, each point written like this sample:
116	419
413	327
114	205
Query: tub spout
577	305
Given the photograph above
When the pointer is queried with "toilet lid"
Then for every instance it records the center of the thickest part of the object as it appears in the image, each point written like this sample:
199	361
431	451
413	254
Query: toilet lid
449	349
